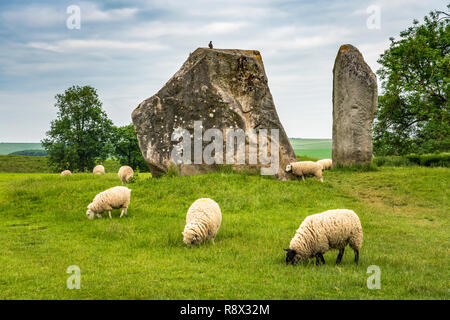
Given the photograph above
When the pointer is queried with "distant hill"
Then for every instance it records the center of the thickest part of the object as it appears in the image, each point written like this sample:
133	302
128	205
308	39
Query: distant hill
315	148
7	148
35	153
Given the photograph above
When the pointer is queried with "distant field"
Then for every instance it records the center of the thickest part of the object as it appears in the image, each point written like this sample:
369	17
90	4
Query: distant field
32	164
315	148
23	164
7	148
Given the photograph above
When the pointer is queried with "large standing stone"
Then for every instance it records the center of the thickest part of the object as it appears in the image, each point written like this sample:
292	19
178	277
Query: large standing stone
354	107
223	89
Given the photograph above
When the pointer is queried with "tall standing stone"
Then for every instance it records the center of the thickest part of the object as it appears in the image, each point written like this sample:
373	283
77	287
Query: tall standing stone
224	89
354	107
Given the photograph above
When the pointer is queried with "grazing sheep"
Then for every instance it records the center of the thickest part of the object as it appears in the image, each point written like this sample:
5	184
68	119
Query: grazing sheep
325	163
305	168
203	220
318	233
125	173
99	169
113	198
66	173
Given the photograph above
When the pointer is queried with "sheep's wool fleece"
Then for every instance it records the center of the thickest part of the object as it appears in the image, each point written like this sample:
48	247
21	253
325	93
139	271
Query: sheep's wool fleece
66	173
113	198
203	219
125	173
99	169
325	163
305	168
332	229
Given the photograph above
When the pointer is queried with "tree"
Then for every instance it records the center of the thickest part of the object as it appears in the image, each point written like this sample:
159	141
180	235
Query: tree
413	112
127	149
81	133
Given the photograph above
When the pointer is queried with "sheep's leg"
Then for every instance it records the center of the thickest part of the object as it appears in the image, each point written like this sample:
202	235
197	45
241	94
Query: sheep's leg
109	213
124	211
356	256
99	215
303	177
319	257
339	257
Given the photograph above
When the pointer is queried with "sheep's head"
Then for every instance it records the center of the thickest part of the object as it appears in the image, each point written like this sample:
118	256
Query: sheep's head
90	214
190	237
290	256
288	168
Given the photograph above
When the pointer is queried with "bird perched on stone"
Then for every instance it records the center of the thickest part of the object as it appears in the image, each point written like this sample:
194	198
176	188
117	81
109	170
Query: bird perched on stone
210	45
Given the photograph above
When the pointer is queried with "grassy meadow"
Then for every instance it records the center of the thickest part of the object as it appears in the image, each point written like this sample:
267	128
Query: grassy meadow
44	230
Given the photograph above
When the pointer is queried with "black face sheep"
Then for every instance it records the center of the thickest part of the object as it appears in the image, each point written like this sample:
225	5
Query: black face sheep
113	198
318	233
125	174
203	220
325	163
305	168
66	173
99	169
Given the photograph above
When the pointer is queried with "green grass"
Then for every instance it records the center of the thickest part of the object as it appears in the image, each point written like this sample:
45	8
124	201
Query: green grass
7	148
43	230
23	164
315	148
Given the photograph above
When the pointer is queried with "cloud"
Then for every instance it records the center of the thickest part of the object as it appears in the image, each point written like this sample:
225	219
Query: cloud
91	13
129	49
38	16
83	45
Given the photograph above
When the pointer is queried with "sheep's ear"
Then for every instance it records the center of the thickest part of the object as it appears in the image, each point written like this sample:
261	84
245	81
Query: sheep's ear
182	233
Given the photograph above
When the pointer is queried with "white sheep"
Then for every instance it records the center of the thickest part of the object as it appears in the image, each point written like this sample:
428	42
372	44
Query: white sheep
125	174
66	173
318	233
305	168
203	220
113	198
99	169
325	163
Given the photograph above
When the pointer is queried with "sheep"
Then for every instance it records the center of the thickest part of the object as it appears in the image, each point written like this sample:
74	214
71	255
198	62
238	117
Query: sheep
125	174
99	169
305	168
318	233
325	163
66	173
203	220
113	198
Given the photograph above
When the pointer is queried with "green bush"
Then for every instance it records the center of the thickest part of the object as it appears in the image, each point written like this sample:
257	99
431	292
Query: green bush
425	160
430	160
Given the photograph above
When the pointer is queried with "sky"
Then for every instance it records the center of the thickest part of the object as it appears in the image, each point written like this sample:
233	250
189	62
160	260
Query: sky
128	50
